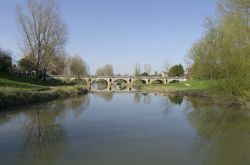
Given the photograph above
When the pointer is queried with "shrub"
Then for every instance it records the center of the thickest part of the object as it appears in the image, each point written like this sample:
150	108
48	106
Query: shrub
5	61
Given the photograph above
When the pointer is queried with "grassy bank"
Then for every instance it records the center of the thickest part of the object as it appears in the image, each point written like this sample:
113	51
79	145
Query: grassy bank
191	86
19	90
198	88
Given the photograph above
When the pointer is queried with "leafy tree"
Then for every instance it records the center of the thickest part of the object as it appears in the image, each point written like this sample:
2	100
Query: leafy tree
26	65
78	66
58	65
5	61
107	70
223	53
144	74
176	70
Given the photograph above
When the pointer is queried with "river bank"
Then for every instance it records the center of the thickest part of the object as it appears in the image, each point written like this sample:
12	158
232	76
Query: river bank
18	90
191	87
196	88
17	98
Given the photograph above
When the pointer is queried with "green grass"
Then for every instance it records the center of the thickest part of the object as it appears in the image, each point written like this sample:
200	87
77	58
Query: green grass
19	90
29	80
11	83
190	85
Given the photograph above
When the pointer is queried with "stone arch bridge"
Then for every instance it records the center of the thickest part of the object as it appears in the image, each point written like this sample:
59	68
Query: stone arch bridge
127	80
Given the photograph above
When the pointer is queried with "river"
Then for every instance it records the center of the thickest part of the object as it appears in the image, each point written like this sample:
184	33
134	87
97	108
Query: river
125	129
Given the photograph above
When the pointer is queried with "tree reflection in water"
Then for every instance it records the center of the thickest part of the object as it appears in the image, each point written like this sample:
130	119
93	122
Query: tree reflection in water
137	98
99	85
176	99
170	102
142	97
43	131
44	135
146	98
78	104
224	134
107	96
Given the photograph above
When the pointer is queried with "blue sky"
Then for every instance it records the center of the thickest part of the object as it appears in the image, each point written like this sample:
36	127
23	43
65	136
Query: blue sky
121	32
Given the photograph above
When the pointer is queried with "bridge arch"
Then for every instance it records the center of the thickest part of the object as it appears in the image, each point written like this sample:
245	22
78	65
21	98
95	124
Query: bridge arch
100	80
139	81
157	81
173	81
120	81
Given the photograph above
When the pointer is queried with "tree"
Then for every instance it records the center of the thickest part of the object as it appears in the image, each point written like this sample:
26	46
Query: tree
43	33
67	69
223	53
176	70
57	67
144	74
107	70
78	67
147	68
5	61
26	65
137	69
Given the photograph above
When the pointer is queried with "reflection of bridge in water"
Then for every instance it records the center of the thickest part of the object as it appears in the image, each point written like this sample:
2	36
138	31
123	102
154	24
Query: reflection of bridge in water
128	80
112	88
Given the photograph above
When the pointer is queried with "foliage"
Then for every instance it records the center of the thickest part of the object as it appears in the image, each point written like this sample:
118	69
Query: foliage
144	74
19	90
57	66
78	66
12	80
78	82
26	65
176	99
107	70
176	70
223	53
5	61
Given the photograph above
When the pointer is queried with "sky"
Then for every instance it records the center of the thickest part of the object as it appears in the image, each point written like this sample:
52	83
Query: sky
121	32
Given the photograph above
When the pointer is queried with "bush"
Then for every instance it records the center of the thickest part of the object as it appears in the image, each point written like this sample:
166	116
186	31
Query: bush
145	74
5	61
78	82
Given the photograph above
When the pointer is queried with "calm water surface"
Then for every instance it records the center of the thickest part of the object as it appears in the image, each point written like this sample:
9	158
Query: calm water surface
125	129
